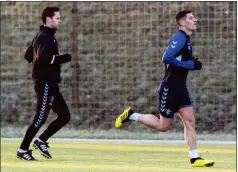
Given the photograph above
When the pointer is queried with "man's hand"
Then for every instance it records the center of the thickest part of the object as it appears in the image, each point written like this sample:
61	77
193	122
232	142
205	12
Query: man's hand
197	64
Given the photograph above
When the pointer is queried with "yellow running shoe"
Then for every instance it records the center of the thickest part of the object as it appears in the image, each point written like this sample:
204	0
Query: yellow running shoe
199	162
123	117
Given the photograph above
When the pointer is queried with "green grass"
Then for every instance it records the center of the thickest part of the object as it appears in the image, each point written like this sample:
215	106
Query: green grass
138	134
114	157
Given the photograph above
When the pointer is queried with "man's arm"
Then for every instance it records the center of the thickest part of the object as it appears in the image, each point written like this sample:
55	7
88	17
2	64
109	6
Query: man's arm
29	53
176	44
44	53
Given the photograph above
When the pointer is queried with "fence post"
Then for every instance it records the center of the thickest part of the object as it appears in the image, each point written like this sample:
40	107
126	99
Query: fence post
74	53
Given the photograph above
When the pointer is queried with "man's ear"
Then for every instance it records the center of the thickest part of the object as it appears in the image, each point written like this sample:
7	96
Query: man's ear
182	22
48	19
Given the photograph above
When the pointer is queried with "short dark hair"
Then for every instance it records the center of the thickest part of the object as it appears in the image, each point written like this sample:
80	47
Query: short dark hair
181	15
48	12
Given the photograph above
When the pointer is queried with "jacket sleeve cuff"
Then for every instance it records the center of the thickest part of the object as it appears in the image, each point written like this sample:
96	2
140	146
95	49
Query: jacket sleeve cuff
53	59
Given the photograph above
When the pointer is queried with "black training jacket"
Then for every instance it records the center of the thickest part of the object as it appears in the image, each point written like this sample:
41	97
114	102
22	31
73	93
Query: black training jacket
43	53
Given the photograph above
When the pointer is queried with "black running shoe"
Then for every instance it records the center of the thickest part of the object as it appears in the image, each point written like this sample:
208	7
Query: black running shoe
26	156
42	147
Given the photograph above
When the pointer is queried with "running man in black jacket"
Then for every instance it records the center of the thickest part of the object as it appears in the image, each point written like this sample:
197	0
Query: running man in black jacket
43	53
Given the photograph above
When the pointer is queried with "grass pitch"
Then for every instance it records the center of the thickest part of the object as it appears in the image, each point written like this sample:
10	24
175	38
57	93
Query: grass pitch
115	157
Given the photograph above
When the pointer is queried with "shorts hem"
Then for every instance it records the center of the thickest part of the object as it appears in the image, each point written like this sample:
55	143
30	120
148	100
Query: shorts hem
166	116
184	106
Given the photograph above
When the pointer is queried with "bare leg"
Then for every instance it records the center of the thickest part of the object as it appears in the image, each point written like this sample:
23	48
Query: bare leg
187	116
160	124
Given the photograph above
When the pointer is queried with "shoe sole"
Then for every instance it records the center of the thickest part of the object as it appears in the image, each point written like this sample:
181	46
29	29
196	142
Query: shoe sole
206	165
209	164
25	159
42	153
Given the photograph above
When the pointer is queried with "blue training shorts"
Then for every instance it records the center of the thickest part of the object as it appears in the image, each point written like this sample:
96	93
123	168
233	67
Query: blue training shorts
172	97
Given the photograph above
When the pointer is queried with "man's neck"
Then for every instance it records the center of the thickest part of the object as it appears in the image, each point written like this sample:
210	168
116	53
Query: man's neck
188	32
47	25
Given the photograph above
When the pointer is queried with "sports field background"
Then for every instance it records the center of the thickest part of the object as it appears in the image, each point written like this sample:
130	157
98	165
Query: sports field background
117	49
134	156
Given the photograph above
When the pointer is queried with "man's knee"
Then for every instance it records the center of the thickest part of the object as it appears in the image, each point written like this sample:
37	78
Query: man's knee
165	128
189	123
65	119
187	116
164	124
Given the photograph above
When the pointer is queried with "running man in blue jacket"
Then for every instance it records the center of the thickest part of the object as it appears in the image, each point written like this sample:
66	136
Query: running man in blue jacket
173	92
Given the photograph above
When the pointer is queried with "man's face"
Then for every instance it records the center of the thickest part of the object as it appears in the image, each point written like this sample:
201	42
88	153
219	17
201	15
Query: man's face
190	22
54	22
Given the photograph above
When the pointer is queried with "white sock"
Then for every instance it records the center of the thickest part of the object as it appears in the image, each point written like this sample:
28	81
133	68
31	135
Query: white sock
39	140
134	117
21	150
194	153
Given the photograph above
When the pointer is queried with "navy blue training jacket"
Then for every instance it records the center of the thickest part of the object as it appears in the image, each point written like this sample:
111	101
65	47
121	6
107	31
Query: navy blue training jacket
178	56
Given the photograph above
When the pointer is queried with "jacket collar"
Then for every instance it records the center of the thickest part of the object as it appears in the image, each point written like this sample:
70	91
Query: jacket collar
47	29
185	34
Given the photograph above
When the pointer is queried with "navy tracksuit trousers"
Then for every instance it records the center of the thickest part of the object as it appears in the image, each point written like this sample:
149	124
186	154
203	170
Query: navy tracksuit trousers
48	97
